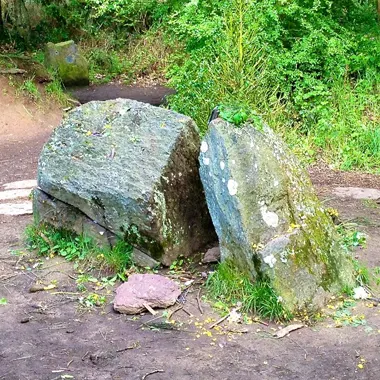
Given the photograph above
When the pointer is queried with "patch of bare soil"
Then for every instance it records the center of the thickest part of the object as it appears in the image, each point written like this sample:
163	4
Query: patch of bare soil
24	128
322	175
46	335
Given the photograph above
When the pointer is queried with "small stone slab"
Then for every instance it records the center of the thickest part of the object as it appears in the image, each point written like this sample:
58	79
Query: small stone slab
16	209
25	184
357	193
14	194
145	289
143	260
211	256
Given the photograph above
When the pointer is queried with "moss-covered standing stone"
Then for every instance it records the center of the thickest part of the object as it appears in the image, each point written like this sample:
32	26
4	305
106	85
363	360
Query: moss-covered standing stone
70	65
267	216
132	169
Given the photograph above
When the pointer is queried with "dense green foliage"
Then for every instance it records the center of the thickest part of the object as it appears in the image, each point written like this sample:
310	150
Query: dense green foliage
309	68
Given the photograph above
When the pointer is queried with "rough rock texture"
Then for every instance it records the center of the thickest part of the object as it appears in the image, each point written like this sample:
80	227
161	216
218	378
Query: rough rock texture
267	216
141	259
132	169
47	209
211	256
145	289
71	66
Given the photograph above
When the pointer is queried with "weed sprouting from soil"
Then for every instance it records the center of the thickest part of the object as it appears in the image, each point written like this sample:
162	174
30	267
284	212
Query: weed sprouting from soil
48	241
229	286
29	88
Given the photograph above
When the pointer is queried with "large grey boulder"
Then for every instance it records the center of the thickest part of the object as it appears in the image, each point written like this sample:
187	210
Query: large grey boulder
132	169
70	65
267	216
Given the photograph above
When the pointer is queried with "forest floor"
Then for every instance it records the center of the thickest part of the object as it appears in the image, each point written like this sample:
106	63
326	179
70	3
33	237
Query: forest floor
48	335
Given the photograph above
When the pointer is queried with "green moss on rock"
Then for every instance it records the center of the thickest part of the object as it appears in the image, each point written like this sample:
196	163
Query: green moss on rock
267	216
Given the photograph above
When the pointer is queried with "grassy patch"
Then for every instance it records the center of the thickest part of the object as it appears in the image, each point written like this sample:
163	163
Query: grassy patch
48	241
54	90
229	286
29	89
350	237
140	57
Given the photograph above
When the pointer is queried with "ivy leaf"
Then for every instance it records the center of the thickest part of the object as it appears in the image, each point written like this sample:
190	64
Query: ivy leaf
3	301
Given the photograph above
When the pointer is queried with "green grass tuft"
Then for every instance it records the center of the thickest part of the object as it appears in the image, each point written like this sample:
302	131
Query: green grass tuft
48	241
230	286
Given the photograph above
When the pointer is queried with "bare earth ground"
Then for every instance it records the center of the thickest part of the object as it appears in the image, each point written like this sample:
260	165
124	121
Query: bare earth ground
46	335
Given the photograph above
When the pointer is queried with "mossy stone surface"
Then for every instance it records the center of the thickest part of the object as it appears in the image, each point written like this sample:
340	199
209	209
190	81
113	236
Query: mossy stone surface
70	65
267	216
133	169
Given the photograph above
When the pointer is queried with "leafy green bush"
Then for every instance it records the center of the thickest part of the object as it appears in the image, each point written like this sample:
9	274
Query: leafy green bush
306	66
309	68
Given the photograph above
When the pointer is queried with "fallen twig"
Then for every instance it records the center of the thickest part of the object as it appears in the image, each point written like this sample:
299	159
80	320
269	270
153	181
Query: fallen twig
23	357
5	278
134	345
244	331
261	322
199	301
218	322
84	356
187	312
73	101
151	311
71	293
172	312
302	348
151	373
150	320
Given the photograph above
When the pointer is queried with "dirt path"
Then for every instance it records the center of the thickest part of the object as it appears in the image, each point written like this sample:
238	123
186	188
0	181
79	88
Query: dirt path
46	335
24	128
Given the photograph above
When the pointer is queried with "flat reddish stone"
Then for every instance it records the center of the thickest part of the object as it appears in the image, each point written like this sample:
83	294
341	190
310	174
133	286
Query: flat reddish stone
149	289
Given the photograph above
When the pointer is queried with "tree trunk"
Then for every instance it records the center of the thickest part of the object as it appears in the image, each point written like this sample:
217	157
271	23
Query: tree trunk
2	22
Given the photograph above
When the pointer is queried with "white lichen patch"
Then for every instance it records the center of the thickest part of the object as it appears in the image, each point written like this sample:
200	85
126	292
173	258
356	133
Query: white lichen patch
206	161
232	186
204	147
270	260
275	183
269	217
222	165
360	293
